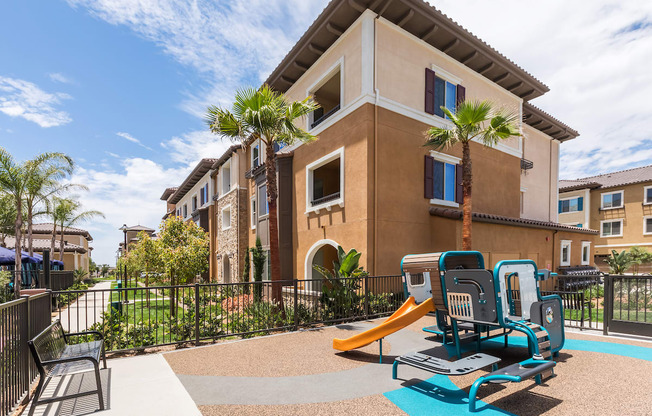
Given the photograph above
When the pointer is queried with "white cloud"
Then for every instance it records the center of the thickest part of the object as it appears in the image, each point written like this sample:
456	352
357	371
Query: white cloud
132	139
189	148
59	77
594	56
20	98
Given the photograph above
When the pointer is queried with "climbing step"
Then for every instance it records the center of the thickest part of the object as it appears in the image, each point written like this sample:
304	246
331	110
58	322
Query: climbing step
541	334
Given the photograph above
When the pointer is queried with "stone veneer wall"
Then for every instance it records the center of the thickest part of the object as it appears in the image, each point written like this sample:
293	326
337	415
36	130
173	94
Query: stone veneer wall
232	242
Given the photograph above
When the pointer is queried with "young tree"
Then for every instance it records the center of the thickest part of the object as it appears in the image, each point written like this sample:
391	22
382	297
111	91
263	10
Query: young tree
258	258
14	181
147	257
68	214
619	262
265	115
184	252
639	255
472	120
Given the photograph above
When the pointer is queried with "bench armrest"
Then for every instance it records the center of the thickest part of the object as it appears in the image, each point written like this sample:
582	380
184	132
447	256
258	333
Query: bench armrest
76	334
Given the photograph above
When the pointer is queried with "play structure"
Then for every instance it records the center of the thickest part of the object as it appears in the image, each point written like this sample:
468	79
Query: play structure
471	305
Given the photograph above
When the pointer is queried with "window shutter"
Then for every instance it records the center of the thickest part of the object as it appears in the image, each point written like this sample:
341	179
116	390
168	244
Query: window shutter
459	188
429	180
461	94
580	203
559	207
430	91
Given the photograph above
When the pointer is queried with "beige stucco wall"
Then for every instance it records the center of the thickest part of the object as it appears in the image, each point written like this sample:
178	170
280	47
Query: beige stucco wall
539	184
194	191
632	214
578	217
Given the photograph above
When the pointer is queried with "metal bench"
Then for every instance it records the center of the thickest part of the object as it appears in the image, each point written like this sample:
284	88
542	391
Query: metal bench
54	357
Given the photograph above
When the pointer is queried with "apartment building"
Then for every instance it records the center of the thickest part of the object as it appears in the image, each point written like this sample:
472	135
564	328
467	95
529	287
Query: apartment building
192	201
130	234
618	204
76	251
231	223
381	71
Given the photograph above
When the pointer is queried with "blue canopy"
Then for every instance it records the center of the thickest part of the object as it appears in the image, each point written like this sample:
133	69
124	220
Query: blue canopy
8	257
36	258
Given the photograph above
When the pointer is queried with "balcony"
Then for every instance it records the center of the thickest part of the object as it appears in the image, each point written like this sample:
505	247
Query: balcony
526	164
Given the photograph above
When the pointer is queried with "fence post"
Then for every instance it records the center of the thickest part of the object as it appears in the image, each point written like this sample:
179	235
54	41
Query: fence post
27	357
196	313
608	299
295	284
366	297
46	269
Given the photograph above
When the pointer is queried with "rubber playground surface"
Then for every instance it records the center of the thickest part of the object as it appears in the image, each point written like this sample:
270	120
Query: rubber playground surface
300	373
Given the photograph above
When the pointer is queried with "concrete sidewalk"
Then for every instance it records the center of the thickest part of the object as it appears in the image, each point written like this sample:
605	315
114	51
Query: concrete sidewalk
87	309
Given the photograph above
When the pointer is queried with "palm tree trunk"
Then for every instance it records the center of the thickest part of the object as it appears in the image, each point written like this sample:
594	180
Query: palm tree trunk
272	196
62	244
467	179
53	240
18	227
30	247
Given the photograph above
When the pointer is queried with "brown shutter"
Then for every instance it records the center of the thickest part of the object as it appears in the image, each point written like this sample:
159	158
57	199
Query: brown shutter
430	91
461	94
459	188
429	179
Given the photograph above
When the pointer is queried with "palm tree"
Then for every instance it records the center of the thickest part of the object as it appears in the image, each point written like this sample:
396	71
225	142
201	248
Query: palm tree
264	115
7	217
472	120
14	181
67	215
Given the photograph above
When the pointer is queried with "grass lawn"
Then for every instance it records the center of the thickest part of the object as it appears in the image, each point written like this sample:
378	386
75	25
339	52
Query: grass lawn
133	294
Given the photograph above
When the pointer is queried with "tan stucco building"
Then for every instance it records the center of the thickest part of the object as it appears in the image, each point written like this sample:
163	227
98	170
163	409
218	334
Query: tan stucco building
618	204
380	72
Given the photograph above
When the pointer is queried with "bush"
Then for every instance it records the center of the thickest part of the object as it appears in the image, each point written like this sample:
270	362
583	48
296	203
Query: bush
5	292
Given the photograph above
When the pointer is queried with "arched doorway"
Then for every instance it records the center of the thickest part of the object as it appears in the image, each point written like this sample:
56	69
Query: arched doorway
322	253
226	269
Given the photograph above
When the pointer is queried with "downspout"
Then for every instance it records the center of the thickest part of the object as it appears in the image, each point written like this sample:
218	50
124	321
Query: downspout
377	98
554	244
550	185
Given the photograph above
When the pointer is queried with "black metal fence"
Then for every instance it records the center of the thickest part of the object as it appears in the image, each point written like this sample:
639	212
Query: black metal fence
36	279
628	306
138	316
582	297
20	320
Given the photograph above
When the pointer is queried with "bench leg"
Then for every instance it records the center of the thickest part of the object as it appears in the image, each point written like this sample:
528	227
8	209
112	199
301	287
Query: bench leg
99	385
395	370
37	394
103	356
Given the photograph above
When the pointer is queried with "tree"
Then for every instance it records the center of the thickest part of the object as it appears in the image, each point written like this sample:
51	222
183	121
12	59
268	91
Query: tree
14	181
7	218
639	255
472	120
147	257
68	214
264	115
104	270
619	262
259	259
184	252
246	271
92	267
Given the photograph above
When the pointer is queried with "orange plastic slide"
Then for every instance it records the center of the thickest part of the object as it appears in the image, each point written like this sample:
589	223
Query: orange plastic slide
408	312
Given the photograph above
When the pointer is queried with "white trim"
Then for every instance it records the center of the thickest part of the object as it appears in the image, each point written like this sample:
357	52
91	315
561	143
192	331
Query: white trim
443	157
339	153
622	200
561	253
588	260
444	203
622	245
310	256
568	198
612	235
445	75
338	66
233	188
645	218
222	217
523	189
645	188
253	212
255	143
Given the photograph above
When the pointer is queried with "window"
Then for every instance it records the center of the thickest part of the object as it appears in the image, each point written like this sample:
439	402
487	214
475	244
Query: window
178	212
226	217
442	177
565	253
204	195
327	93
442	90
612	200
194	203
185	210
325	180
571	205
647	195
647	225
226	177
253	212
586	253
255	155
611	228
264	203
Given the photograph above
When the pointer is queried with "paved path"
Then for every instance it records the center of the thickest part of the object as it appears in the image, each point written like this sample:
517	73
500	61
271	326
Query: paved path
87	310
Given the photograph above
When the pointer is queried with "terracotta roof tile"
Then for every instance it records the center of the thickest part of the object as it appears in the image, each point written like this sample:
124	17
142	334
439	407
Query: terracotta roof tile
610	180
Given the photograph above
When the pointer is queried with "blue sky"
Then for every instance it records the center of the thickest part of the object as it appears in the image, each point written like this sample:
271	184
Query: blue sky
121	85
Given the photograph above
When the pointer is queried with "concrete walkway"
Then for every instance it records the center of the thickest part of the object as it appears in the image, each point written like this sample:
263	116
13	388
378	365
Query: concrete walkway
87	309
136	386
